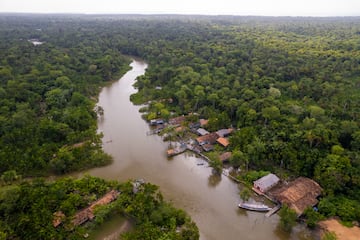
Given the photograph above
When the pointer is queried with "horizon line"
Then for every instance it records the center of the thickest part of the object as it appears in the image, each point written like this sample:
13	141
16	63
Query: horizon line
177	14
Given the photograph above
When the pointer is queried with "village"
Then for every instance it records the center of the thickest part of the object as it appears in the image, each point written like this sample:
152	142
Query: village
183	136
298	194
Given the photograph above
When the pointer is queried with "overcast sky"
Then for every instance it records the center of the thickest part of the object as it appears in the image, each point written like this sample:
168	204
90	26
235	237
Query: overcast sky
209	7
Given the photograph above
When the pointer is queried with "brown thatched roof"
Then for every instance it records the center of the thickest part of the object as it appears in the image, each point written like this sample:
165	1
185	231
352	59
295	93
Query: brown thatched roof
299	194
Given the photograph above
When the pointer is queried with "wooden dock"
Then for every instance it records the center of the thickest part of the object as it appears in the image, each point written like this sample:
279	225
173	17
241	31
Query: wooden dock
175	151
273	210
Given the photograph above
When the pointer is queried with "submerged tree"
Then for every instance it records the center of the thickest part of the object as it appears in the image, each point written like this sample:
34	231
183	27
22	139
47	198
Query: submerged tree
287	218
245	194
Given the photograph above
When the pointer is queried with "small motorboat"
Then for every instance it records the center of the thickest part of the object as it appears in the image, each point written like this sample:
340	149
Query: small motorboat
254	207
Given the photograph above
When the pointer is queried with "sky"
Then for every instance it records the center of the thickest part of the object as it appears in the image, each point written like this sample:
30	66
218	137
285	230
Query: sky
203	7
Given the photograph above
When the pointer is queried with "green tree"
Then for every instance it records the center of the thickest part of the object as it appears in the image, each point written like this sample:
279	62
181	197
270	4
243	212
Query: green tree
270	113
312	217
329	236
287	218
238	159
216	164
10	176
332	172
245	194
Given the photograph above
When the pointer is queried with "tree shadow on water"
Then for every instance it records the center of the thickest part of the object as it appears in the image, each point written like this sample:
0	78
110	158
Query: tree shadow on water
214	179
241	212
281	233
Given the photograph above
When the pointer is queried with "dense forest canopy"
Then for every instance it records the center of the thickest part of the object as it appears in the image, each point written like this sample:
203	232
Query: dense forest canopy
28	210
48	93
289	85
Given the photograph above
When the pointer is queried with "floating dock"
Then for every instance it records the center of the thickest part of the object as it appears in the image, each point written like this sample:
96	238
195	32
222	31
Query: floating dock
175	151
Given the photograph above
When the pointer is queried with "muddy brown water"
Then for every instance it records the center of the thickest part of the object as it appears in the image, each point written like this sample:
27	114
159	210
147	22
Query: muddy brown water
183	180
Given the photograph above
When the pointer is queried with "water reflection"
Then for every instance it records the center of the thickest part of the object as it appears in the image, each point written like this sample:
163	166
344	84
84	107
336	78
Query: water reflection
214	179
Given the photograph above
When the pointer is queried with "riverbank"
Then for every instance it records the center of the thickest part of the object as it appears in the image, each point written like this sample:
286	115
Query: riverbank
341	232
210	201
112	228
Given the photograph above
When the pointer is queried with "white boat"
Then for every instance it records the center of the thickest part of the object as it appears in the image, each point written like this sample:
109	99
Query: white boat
254	207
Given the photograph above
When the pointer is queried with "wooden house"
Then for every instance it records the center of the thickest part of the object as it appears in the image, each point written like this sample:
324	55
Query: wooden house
208	147
225	157
265	183
207	139
224	132
177	121
202	132
298	194
223	141
86	214
203	122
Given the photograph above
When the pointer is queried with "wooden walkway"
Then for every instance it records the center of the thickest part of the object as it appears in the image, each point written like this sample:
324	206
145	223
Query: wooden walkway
273	210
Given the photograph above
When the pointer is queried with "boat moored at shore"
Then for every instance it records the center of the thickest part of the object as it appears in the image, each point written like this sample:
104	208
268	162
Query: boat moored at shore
254	207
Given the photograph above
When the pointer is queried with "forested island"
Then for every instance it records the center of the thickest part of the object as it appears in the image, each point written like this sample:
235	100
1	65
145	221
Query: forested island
289	86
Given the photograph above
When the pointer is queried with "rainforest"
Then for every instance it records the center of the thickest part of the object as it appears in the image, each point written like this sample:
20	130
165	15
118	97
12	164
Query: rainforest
289	86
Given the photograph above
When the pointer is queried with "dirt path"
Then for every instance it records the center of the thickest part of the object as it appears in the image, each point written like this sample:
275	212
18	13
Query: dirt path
342	232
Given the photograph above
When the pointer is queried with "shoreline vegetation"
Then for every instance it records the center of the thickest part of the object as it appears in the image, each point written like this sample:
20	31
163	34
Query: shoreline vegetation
264	79
48	125
289	86
73	208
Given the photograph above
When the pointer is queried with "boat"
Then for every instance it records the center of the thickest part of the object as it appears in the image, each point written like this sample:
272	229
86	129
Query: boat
254	207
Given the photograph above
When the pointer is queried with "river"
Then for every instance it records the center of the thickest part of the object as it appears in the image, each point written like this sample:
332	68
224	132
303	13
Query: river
211	202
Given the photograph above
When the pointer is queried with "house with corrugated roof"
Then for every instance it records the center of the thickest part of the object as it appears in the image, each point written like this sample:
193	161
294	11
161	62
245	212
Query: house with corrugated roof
207	139
208	147
202	132
223	141
265	183
224	132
